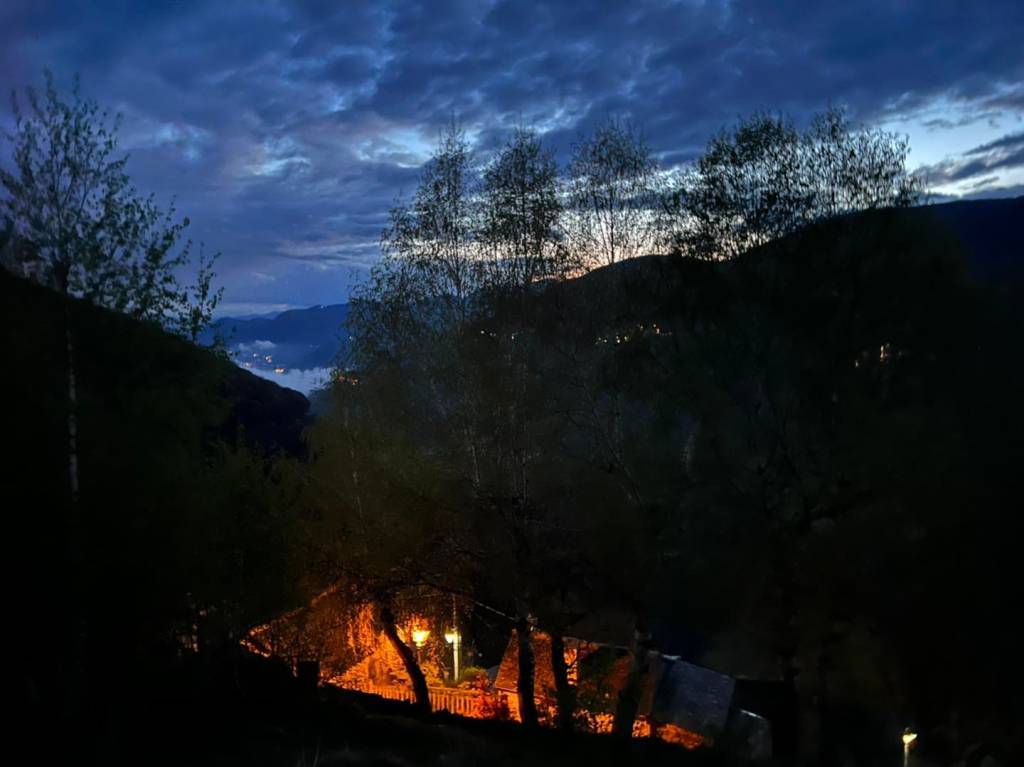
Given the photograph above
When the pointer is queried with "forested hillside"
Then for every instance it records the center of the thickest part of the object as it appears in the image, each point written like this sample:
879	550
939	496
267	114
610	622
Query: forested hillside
182	526
771	462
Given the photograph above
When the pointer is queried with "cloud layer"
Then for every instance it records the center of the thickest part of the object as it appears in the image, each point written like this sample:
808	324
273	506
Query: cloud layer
287	129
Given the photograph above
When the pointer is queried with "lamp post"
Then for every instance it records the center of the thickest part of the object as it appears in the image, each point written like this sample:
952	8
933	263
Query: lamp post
454	638
419	638
908	740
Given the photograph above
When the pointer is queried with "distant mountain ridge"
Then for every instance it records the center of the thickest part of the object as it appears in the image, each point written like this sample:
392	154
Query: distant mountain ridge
314	338
299	339
990	232
120	359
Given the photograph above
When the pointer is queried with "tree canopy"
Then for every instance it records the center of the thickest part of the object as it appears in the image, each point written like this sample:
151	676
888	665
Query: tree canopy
763	178
87	231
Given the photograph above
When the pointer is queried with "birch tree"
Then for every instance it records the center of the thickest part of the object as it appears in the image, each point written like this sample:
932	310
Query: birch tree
611	195
520	216
81	228
442	318
91	235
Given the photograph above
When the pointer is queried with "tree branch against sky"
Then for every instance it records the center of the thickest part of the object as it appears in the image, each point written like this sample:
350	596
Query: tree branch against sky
89	233
611	195
763	179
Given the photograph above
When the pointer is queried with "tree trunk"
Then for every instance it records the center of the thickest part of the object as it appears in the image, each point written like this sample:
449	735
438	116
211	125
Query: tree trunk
819	638
412	666
629	697
72	423
800	651
809	721
75	531
525	678
564	694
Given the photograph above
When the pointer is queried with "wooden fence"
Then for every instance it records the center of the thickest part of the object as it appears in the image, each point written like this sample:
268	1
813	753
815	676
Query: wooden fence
454	700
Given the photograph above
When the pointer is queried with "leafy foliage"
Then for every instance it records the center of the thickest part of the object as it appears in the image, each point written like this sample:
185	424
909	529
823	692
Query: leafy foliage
611	189
521	215
89	233
764	179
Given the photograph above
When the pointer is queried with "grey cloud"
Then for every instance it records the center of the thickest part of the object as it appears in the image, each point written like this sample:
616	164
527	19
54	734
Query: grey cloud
1009	141
978	164
300	121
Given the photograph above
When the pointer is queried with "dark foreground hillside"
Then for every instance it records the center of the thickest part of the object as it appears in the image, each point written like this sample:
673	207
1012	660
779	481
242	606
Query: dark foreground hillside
847	406
249	711
180	532
185	525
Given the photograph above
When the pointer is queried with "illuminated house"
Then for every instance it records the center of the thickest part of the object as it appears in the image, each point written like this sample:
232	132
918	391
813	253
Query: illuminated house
679	702
353	653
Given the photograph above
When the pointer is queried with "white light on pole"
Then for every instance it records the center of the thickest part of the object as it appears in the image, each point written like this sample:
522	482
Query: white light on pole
452	637
908	740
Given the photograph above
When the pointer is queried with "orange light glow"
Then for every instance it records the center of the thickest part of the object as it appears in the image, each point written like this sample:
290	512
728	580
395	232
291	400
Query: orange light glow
420	636
373	665
671	733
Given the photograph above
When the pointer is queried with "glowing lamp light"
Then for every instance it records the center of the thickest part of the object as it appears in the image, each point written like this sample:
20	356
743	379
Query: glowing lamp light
420	636
454	638
908	738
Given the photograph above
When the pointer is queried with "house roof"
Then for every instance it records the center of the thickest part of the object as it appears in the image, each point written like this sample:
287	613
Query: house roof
673	692
693	697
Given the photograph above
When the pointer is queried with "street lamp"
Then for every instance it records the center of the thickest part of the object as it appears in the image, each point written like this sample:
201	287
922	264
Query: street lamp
420	637
454	638
908	740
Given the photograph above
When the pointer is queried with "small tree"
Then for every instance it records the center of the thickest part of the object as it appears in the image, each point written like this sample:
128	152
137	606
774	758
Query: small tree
85	230
425	290
521	211
433	237
612	179
78	226
746	189
92	235
440	334
855	169
420	297
764	179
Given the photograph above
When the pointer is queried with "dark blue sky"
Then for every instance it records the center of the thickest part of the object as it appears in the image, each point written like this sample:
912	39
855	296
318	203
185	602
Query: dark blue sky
286	129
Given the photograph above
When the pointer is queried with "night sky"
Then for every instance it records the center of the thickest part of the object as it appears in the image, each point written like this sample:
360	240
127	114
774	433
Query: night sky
287	129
